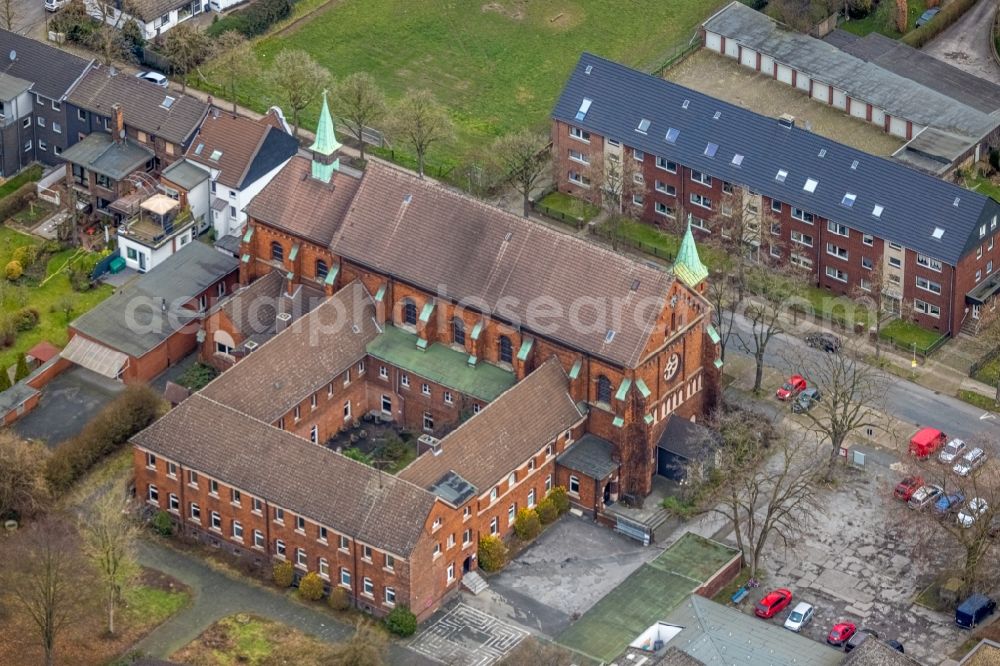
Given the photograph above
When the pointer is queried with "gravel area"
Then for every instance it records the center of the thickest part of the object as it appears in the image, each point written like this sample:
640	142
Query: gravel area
722	77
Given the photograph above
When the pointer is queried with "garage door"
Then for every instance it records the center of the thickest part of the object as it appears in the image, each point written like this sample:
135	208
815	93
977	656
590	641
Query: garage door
713	42
897	127
732	48
821	91
839	99
767	65
878	116
749	58
859	109
96	357
802	82
785	74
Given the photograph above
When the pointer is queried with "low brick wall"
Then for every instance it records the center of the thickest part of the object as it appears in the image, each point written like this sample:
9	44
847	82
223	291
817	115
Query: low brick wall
721	578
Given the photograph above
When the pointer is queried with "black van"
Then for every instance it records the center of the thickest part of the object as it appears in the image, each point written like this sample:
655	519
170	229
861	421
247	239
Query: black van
973	610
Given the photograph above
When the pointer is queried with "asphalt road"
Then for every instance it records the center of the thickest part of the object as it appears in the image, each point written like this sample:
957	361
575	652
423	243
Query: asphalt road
29	18
905	400
966	44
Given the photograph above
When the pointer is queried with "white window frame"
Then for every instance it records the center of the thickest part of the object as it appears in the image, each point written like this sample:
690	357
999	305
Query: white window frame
835	273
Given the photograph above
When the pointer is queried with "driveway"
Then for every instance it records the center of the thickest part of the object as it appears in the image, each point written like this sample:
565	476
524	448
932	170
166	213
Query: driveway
966	44
561	575
68	402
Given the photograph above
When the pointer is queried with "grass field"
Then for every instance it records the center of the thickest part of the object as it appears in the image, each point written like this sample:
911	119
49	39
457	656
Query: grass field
497	66
246	639
906	334
868	24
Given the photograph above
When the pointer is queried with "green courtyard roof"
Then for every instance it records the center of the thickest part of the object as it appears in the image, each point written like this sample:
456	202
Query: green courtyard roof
440	364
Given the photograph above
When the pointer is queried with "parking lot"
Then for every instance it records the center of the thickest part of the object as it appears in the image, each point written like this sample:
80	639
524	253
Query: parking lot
68	402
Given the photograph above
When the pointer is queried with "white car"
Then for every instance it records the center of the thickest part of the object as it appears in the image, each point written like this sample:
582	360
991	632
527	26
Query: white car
976	507
53	5
154	77
969	462
952	450
799	617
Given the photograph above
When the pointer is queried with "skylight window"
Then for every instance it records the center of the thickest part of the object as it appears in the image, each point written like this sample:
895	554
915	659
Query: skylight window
589	69
686	104
938	232
711	149
955	202
168	102
877	211
584	107
854	165
822	152
609	337
643	126
848	200
200	147
216	154
781	175
810	185
718	114
737	160
672	135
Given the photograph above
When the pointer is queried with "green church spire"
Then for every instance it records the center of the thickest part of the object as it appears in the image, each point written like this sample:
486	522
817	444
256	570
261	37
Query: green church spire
325	147
688	266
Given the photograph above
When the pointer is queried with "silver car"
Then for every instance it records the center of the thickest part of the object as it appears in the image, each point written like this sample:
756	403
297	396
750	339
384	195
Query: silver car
969	462
976	507
952	450
799	617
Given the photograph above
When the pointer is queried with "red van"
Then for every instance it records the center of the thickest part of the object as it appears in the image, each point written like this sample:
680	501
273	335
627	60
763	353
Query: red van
926	442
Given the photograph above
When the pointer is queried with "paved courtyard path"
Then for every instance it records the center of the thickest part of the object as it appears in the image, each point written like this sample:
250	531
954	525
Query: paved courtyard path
216	595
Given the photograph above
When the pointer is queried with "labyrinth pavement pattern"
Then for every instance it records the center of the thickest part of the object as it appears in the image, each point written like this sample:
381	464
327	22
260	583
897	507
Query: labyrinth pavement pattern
467	636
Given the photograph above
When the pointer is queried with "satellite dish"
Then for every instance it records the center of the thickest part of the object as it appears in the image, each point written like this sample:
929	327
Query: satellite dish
13	54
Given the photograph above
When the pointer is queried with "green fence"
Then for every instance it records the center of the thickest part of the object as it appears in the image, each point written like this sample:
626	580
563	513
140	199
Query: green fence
985	360
910	347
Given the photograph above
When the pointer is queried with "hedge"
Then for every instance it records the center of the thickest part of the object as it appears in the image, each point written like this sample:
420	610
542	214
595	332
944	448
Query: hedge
339	599
527	525
401	621
492	553
17	200
283	574
252	20
547	511
131	411
311	587
945	18
559	499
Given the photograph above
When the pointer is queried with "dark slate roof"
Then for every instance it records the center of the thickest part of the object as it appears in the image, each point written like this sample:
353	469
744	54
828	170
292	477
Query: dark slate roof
132	320
230	244
344	495
591	456
100	153
243	149
53	71
252	309
913	203
925	69
439	239
688	439
142	104
900	96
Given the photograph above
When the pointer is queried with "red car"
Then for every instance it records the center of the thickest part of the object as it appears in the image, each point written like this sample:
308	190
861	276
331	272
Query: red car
795	385
841	633
905	488
773	603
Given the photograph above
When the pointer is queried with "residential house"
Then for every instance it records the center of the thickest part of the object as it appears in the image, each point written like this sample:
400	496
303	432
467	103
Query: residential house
944	130
834	212
151	229
152	322
241	156
35	80
154	17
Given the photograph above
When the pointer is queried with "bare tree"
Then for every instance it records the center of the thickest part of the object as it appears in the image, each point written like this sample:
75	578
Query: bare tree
768	487
43	570
236	61
9	13
22	486
366	647
421	121
117	34
616	182
109	538
299	80
852	399
768	292
360	102
186	47
522	159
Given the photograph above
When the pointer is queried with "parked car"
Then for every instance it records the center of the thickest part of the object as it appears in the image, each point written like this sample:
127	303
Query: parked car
53	5
968	463
795	385
972	611
806	400
841	633
905	488
926	442
858	638
828	342
926	17
949	503
925	495
773	603
155	78
800	616
976	507
952	450
895	645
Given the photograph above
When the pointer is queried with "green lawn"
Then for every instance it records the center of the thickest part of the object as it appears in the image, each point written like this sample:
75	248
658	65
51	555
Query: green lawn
43	297
30	174
497	66
906	333
560	203
868	24
838	308
651	240
151	605
983	185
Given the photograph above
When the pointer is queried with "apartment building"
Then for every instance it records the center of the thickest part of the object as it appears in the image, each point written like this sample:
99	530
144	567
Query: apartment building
833	211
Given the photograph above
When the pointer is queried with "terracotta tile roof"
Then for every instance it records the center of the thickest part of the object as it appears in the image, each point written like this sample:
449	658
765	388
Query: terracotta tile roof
43	351
253	308
243	149
142	104
295	202
504	434
303	358
437	238
346	496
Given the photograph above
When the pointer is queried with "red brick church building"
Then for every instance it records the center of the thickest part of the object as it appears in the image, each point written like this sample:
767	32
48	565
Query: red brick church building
383	295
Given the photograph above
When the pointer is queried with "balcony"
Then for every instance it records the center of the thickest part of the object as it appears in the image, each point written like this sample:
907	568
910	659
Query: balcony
158	220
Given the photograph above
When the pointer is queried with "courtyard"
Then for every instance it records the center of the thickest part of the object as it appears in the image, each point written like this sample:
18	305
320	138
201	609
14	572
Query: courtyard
722	77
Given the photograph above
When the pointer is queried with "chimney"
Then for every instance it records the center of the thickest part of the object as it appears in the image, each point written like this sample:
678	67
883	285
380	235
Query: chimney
117	123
